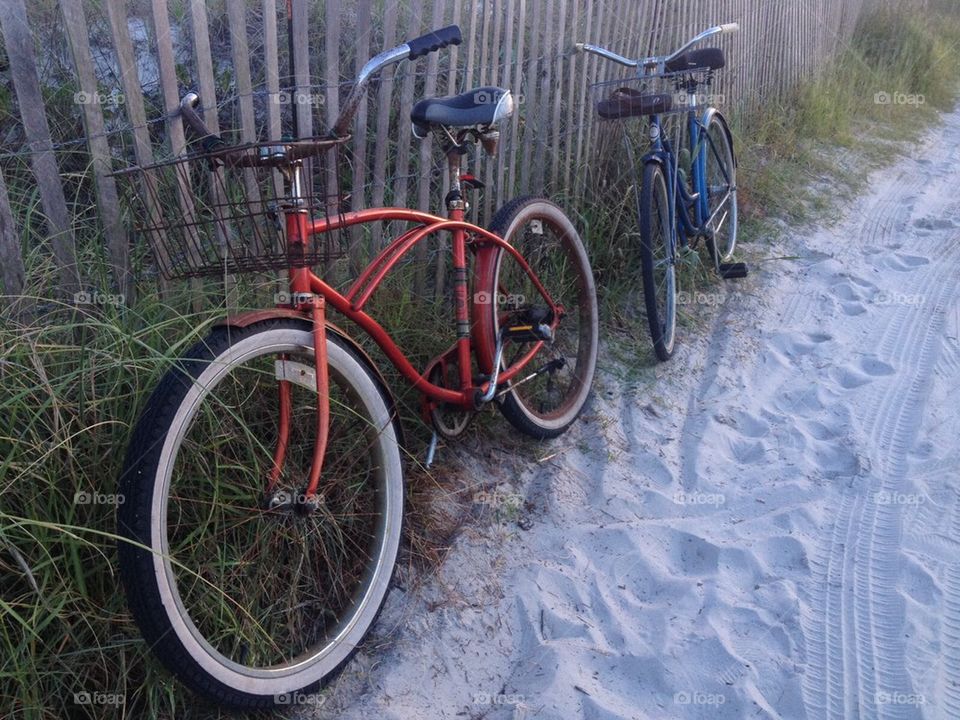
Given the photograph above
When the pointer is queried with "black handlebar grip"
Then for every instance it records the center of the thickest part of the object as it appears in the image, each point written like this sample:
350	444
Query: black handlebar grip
208	141
433	41
187	110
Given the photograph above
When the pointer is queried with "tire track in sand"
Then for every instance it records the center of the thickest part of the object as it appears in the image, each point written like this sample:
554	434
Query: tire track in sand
854	625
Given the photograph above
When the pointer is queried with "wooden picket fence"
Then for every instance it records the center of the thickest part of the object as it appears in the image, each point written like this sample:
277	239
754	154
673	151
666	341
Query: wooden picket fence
145	54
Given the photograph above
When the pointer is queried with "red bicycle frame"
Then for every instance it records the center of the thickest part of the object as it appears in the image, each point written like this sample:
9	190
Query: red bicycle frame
352	304
475	333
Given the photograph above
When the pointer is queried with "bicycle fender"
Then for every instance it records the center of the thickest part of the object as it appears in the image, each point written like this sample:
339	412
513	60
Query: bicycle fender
708	115
656	157
241	320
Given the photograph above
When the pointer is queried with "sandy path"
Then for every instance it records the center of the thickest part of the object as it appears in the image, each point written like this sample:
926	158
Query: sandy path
770	529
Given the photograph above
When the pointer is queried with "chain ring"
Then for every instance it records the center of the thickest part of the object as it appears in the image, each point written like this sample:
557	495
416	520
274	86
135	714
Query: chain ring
449	421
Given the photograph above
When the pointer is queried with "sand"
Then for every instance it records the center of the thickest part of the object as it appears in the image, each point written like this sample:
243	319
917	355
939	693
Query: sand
770	529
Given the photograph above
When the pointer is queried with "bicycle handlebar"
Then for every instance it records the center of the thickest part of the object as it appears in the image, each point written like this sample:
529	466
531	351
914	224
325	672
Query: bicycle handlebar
410	50
661	60
604	53
718	30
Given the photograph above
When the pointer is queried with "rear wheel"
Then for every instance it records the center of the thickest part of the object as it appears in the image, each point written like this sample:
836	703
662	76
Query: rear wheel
720	173
245	603
657	260
550	391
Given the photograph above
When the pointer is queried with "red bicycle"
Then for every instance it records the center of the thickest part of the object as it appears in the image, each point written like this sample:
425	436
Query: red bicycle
263	483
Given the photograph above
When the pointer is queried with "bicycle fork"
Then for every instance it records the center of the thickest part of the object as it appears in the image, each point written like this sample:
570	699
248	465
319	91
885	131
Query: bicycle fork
303	299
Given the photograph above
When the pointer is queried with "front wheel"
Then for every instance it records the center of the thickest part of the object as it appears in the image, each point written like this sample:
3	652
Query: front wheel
657	260
547	395
245	602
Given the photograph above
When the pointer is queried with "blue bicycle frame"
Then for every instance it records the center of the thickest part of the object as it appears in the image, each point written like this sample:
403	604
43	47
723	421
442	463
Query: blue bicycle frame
663	152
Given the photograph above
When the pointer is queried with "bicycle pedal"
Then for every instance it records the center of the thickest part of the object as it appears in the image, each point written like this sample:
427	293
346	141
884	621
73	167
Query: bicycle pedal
528	333
733	271
530	325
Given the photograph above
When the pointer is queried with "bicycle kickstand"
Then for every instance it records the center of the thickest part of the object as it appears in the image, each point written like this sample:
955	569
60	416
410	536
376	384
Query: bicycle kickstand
479	399
432	449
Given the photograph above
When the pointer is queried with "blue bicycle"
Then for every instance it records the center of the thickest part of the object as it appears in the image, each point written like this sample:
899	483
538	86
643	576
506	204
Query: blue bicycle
685	195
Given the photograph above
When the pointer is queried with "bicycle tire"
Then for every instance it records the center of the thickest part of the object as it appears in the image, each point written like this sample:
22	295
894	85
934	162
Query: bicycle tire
545	236
657	260
208	659
720	177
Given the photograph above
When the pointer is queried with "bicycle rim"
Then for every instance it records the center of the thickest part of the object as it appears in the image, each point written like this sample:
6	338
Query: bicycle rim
720	180
549	392
266	600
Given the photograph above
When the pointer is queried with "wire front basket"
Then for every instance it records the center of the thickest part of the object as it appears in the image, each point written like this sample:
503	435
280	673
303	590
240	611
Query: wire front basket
655	94
204	214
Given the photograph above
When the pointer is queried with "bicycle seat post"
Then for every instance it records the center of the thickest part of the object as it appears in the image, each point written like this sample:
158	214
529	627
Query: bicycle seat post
454	199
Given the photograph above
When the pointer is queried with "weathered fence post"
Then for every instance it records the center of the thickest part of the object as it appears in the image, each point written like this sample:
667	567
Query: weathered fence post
136	114
362	32
384	103
11	261
175	133
426	154
23	66
299	15
506	81
107	199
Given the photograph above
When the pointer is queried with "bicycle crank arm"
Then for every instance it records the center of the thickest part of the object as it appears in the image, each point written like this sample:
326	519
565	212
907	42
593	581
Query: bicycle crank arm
536	331
551	366
483	398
